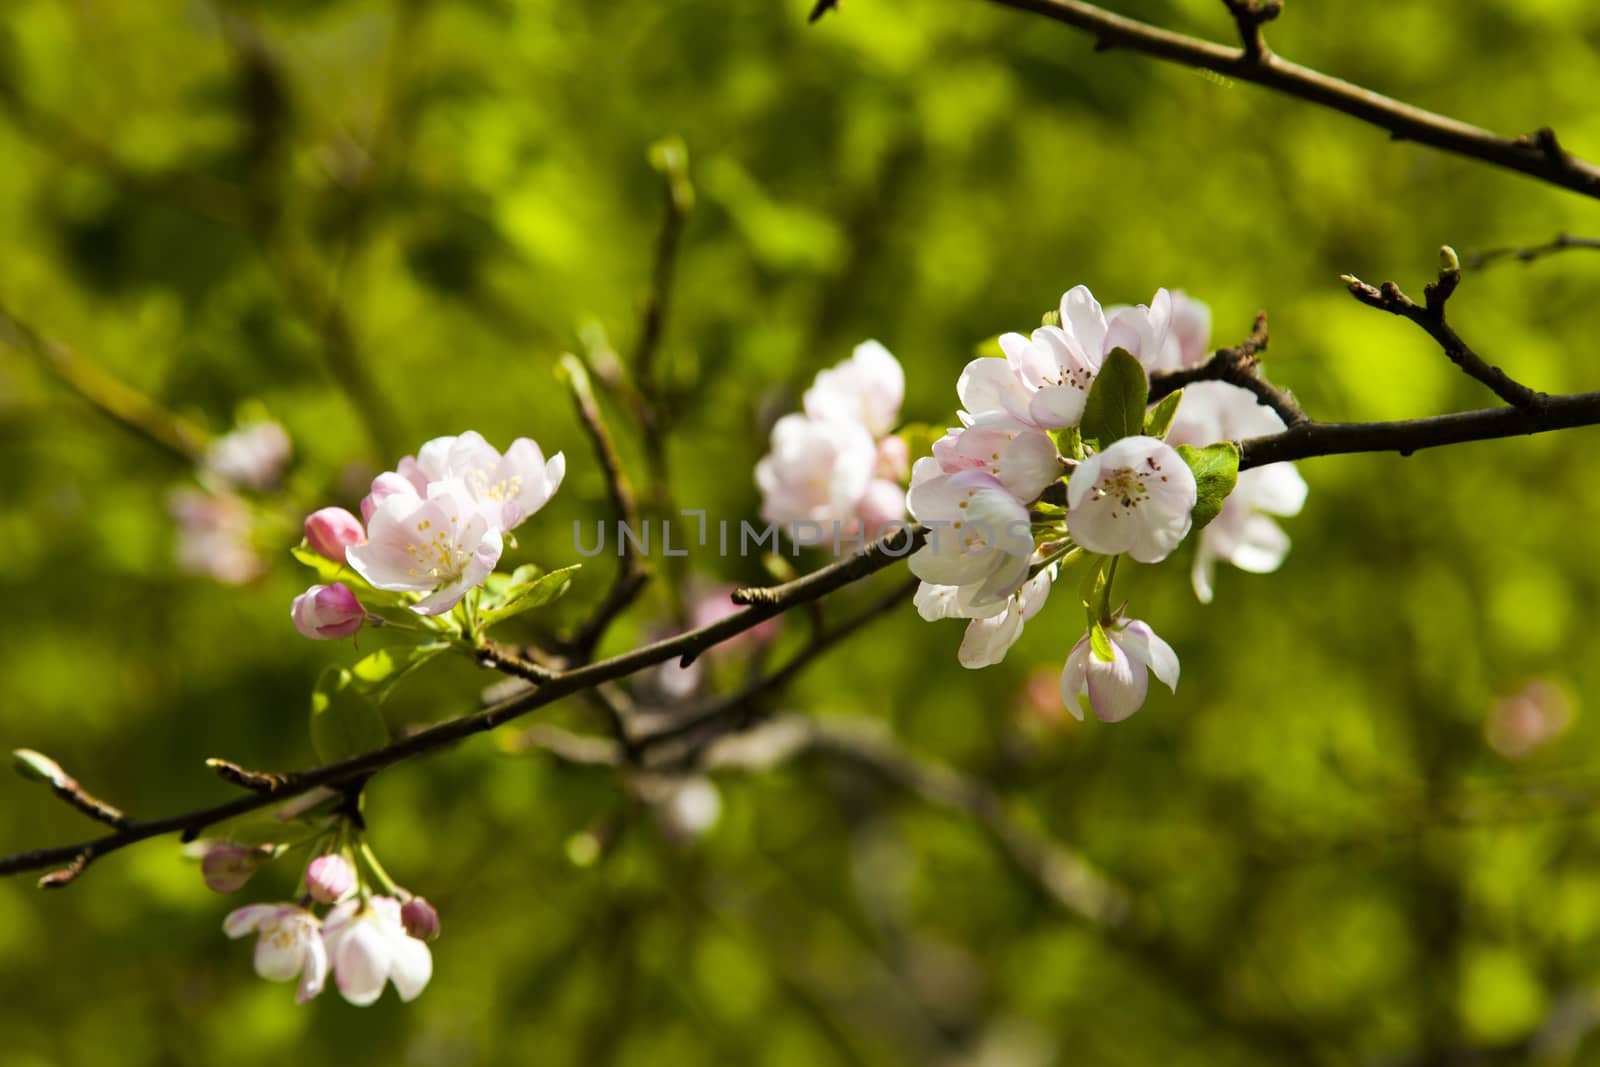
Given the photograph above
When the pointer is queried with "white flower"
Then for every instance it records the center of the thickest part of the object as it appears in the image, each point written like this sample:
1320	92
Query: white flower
441	546
990	636
1023	458
867	389
215	532
508	488
1134	497
291	944
1188	334
251	457
1113	690
1243	533
368	947
978	533
816	473
1056	371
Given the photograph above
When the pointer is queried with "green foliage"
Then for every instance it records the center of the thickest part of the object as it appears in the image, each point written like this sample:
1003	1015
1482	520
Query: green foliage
528	588
1316	824
345	721
1158	420
1216	471
1116	405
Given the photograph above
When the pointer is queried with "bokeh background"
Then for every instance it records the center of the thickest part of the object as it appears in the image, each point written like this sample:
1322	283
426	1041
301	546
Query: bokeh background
1360	832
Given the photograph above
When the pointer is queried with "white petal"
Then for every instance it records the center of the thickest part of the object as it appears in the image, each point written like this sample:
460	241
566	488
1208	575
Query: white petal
1146	648
411	967
988	640
313	970
1075	678
241	921
1116	689
361	963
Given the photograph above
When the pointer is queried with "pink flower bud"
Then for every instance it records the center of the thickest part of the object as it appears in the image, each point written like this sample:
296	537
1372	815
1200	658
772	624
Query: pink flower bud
326	612
226	868
329	531
330	878
420	920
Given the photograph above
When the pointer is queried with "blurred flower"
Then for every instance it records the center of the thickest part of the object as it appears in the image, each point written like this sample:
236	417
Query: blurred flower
327	612
867	389
329	531
214	536
1242	534
368	946
835	471
442	546
979	534
688	808
291	944
1114	689
251	457
1523	722
226	867
1134	497
330	878
420	919
1188	334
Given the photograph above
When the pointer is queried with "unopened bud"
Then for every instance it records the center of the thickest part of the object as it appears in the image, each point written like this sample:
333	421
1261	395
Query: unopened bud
327	612
226	867
37	766
420	919
1449	262
330	878
329	531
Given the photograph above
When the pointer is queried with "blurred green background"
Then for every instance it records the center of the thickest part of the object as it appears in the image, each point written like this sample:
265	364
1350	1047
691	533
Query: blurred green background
378	222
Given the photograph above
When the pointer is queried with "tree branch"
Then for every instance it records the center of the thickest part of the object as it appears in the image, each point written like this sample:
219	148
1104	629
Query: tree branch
1528	253
1238	366
772	601
1538	155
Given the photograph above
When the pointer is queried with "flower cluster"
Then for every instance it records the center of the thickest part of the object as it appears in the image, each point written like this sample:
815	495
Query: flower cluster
365	940
835	470
430	531
1068	403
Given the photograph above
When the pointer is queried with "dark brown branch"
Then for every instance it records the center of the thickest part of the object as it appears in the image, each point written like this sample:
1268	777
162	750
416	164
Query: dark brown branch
774	601
1539	155
1249	15
1430	316
740	710
255	781
41	768
1528	253
1238	366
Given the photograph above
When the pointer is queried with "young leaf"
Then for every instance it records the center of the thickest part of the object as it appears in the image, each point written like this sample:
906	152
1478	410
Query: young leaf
1216	469
327	570
1158	420
377	674
344	721
1100	643
1115	408
528	595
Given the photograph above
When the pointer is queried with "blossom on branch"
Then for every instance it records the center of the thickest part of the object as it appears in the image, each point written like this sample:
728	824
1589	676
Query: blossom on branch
441	546
291	944
1134	497
1113	689
368	946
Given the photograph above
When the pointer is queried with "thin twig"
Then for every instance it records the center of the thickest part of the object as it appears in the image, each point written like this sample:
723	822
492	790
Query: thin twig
1238	366
1430	316
1538	155
1528	253
1249	15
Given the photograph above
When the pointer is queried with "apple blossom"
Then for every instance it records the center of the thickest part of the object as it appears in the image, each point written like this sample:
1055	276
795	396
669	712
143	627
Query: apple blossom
507	488
1188	334
1023	458
1135	497
441	546
978	533
1114	689
214	536
251	457
867	389
1242	534
368	946
327	612
1055	370
329	531
291	944
330	878
420	919
816	473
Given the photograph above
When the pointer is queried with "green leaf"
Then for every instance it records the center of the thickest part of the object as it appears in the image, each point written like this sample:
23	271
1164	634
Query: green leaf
524	596
498	584
1158	420
1216	469
1100	643
327	570
344	721
1069	442
1115	408
377	673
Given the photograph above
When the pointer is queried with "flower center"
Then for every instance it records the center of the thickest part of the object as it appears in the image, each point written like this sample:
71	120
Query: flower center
436	555
1128	487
